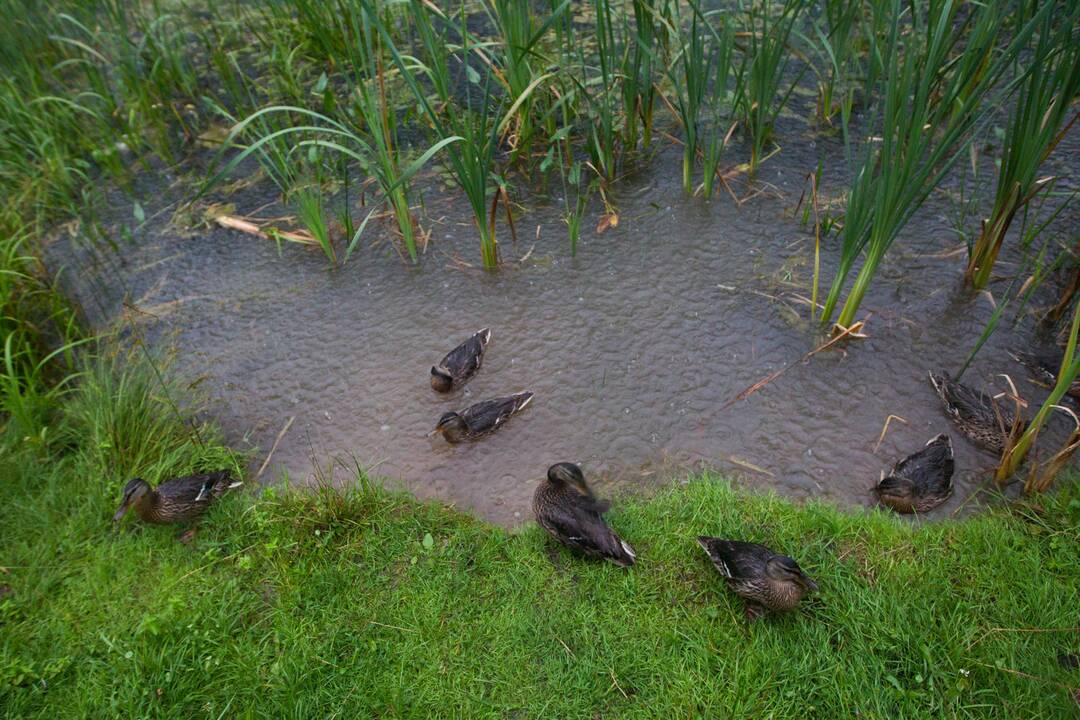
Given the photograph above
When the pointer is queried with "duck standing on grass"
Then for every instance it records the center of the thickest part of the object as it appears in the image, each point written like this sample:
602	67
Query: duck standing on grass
480	419
461	363
174	501
920	482
763	578
976	414
567	509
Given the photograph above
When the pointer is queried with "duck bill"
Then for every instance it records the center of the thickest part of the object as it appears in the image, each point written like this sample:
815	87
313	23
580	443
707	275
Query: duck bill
121	512
809	584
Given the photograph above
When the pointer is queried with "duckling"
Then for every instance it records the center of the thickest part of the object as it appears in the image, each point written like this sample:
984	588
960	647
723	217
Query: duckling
763	578
480	419
567	509
1044	367
174	501
461	363
976	414
920	482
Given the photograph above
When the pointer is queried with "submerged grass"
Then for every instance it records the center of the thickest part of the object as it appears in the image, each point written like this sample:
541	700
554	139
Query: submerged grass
365	603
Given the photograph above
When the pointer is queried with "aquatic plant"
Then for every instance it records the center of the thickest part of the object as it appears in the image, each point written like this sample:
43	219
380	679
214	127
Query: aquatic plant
1050	81
937	75
761	99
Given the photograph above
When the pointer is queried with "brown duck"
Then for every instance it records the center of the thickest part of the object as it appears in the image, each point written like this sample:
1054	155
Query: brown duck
763	578
461	363
174	501
567	509
922	481
980	417
480	419
1045	366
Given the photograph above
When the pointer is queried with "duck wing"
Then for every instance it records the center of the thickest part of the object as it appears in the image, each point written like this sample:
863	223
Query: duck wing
190	488
972	406
736	560
931	467
579	525
463	361
487	415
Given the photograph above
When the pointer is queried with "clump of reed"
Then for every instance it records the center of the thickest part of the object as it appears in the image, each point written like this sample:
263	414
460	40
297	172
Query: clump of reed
938	74
1041	113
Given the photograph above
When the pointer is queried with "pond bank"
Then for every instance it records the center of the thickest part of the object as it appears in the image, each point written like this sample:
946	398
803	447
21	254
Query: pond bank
367	603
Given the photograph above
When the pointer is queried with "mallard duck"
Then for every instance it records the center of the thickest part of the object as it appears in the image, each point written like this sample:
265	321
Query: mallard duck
461	363
1044	367
480	419
763	578
174	501
976	414
922	481
567	509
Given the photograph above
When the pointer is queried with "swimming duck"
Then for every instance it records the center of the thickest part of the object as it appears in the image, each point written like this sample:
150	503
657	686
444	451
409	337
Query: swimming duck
978	415
480	419
567	509
174	501
1045	366
461	363
763	578
922	481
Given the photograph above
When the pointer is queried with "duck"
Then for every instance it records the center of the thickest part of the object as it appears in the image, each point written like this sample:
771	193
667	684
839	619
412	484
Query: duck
480	419
177	500
1045	366
568	510
921	481
976	414
763	578
461	363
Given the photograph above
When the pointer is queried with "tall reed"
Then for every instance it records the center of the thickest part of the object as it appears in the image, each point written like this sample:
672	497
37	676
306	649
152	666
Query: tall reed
763	70
938	73
1041	114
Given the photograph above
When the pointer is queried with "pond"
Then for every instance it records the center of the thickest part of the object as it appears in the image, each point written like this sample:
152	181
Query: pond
636	349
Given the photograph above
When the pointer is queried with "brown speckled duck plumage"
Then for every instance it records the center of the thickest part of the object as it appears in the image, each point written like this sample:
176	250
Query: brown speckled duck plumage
763	578
981	418
461	363
921	481
567	509
179	500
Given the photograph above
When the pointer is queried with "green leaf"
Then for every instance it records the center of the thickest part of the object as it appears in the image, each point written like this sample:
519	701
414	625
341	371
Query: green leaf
428	542
140	214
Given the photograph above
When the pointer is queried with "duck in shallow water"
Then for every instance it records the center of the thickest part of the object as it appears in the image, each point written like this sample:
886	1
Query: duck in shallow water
567	509
461	363
1044	367
980	417
763	578
480	419
174	501
922	481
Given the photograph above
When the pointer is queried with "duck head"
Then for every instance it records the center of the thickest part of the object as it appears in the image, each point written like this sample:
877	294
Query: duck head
570	475
896	492
784	569
441	380
134	492
452	427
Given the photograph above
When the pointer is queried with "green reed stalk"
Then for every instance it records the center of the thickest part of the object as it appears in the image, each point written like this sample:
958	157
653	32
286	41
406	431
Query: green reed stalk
470	134
720	107
1036	124
690	75
762	100
937	75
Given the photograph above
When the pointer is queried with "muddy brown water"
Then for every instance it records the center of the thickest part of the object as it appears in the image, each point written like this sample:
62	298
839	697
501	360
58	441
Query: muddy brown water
634	348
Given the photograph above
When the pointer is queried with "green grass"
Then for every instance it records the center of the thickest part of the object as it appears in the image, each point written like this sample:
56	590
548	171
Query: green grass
369	604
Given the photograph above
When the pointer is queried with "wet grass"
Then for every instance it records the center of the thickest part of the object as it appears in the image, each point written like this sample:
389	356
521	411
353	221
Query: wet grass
367	603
